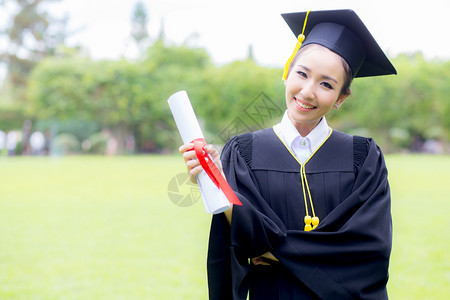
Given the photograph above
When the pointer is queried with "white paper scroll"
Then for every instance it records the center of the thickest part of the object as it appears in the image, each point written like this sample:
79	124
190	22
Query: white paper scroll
213	198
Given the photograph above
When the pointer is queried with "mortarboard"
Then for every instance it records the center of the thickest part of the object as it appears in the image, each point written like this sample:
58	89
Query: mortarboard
343	32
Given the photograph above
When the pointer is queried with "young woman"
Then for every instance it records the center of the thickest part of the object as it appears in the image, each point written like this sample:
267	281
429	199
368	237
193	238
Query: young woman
315	221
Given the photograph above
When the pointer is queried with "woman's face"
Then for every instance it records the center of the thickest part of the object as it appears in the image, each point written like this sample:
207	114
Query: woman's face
313	86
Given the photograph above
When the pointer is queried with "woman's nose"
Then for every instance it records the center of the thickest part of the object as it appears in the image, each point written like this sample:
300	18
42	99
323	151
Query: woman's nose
307	90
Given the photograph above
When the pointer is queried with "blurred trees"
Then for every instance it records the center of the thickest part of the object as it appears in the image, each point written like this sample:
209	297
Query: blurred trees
130	97
228	90
84	102
139	21
126	97
31	34
87	102
398	109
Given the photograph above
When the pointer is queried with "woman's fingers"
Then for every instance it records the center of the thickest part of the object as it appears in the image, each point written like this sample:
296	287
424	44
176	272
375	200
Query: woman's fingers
211	150
192	163
270	256
195	170
265	259
259	261
215	155
188	155
185	147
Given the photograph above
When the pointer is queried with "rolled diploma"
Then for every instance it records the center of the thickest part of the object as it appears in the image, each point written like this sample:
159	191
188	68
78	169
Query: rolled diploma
213	198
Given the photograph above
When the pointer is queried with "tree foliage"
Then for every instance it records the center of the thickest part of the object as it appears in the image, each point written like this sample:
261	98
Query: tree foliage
130	97
416	101
139	21
126	97
31	34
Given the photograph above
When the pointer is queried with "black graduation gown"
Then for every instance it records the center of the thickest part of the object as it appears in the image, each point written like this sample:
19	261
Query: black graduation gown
345	257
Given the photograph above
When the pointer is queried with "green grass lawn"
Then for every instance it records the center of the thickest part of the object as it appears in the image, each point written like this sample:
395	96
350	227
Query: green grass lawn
104	228
420	261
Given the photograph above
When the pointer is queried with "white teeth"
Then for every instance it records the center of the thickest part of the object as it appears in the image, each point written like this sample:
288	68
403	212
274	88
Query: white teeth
306	106
303	105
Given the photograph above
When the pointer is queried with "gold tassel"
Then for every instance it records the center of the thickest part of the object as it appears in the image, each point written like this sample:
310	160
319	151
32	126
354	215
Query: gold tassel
300	40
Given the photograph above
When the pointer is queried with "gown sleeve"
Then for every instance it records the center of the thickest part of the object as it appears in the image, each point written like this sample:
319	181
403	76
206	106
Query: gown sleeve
345	257
255	228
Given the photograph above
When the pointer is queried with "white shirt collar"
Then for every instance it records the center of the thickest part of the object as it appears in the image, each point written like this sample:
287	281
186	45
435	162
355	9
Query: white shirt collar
316	137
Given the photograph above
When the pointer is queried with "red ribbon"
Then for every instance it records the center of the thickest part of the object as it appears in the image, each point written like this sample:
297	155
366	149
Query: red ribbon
212	171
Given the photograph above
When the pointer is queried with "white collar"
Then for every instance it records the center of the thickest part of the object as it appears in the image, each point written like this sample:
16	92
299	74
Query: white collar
316	137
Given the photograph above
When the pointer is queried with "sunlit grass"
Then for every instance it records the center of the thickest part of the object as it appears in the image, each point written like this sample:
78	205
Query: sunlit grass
420	262
98	228
104	228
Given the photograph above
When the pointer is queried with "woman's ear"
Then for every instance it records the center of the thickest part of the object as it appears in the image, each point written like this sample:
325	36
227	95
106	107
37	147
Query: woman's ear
341	100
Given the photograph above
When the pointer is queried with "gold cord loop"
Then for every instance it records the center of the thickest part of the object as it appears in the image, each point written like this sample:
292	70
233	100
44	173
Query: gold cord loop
310	223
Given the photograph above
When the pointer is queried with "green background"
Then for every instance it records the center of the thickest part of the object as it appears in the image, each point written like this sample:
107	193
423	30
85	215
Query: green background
88	227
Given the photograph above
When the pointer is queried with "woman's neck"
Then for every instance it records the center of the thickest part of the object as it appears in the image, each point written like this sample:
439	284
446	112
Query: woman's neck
304	128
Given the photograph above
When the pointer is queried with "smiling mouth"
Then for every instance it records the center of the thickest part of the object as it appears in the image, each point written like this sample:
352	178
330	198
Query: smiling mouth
303	104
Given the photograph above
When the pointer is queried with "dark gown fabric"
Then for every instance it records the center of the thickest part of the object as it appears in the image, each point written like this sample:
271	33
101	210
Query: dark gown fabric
345	257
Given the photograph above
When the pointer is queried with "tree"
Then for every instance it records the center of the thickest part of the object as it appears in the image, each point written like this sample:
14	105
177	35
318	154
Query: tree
127	97
139	22
230	94
415	102
130	97
31	35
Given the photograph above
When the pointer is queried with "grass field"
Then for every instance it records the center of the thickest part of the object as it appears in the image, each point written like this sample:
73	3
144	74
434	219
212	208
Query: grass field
104	228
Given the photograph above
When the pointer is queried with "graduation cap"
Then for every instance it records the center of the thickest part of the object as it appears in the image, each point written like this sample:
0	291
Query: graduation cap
343	32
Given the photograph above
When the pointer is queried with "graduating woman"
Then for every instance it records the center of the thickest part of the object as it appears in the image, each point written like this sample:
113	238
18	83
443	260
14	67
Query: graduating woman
315	221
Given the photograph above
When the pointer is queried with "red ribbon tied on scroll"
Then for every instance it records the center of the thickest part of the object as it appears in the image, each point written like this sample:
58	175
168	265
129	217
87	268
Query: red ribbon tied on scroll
212	171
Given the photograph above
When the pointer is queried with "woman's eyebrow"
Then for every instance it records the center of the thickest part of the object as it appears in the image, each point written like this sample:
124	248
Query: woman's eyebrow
305	67
329	78
323	76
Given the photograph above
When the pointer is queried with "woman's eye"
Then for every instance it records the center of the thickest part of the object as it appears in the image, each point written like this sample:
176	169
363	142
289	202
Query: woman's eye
303	74
327	85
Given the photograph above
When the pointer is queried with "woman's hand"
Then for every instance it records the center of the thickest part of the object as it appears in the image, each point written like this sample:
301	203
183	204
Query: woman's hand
264	259
192	163
194	167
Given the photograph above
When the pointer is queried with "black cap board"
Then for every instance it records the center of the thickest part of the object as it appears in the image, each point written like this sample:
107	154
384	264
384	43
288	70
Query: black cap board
343	32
